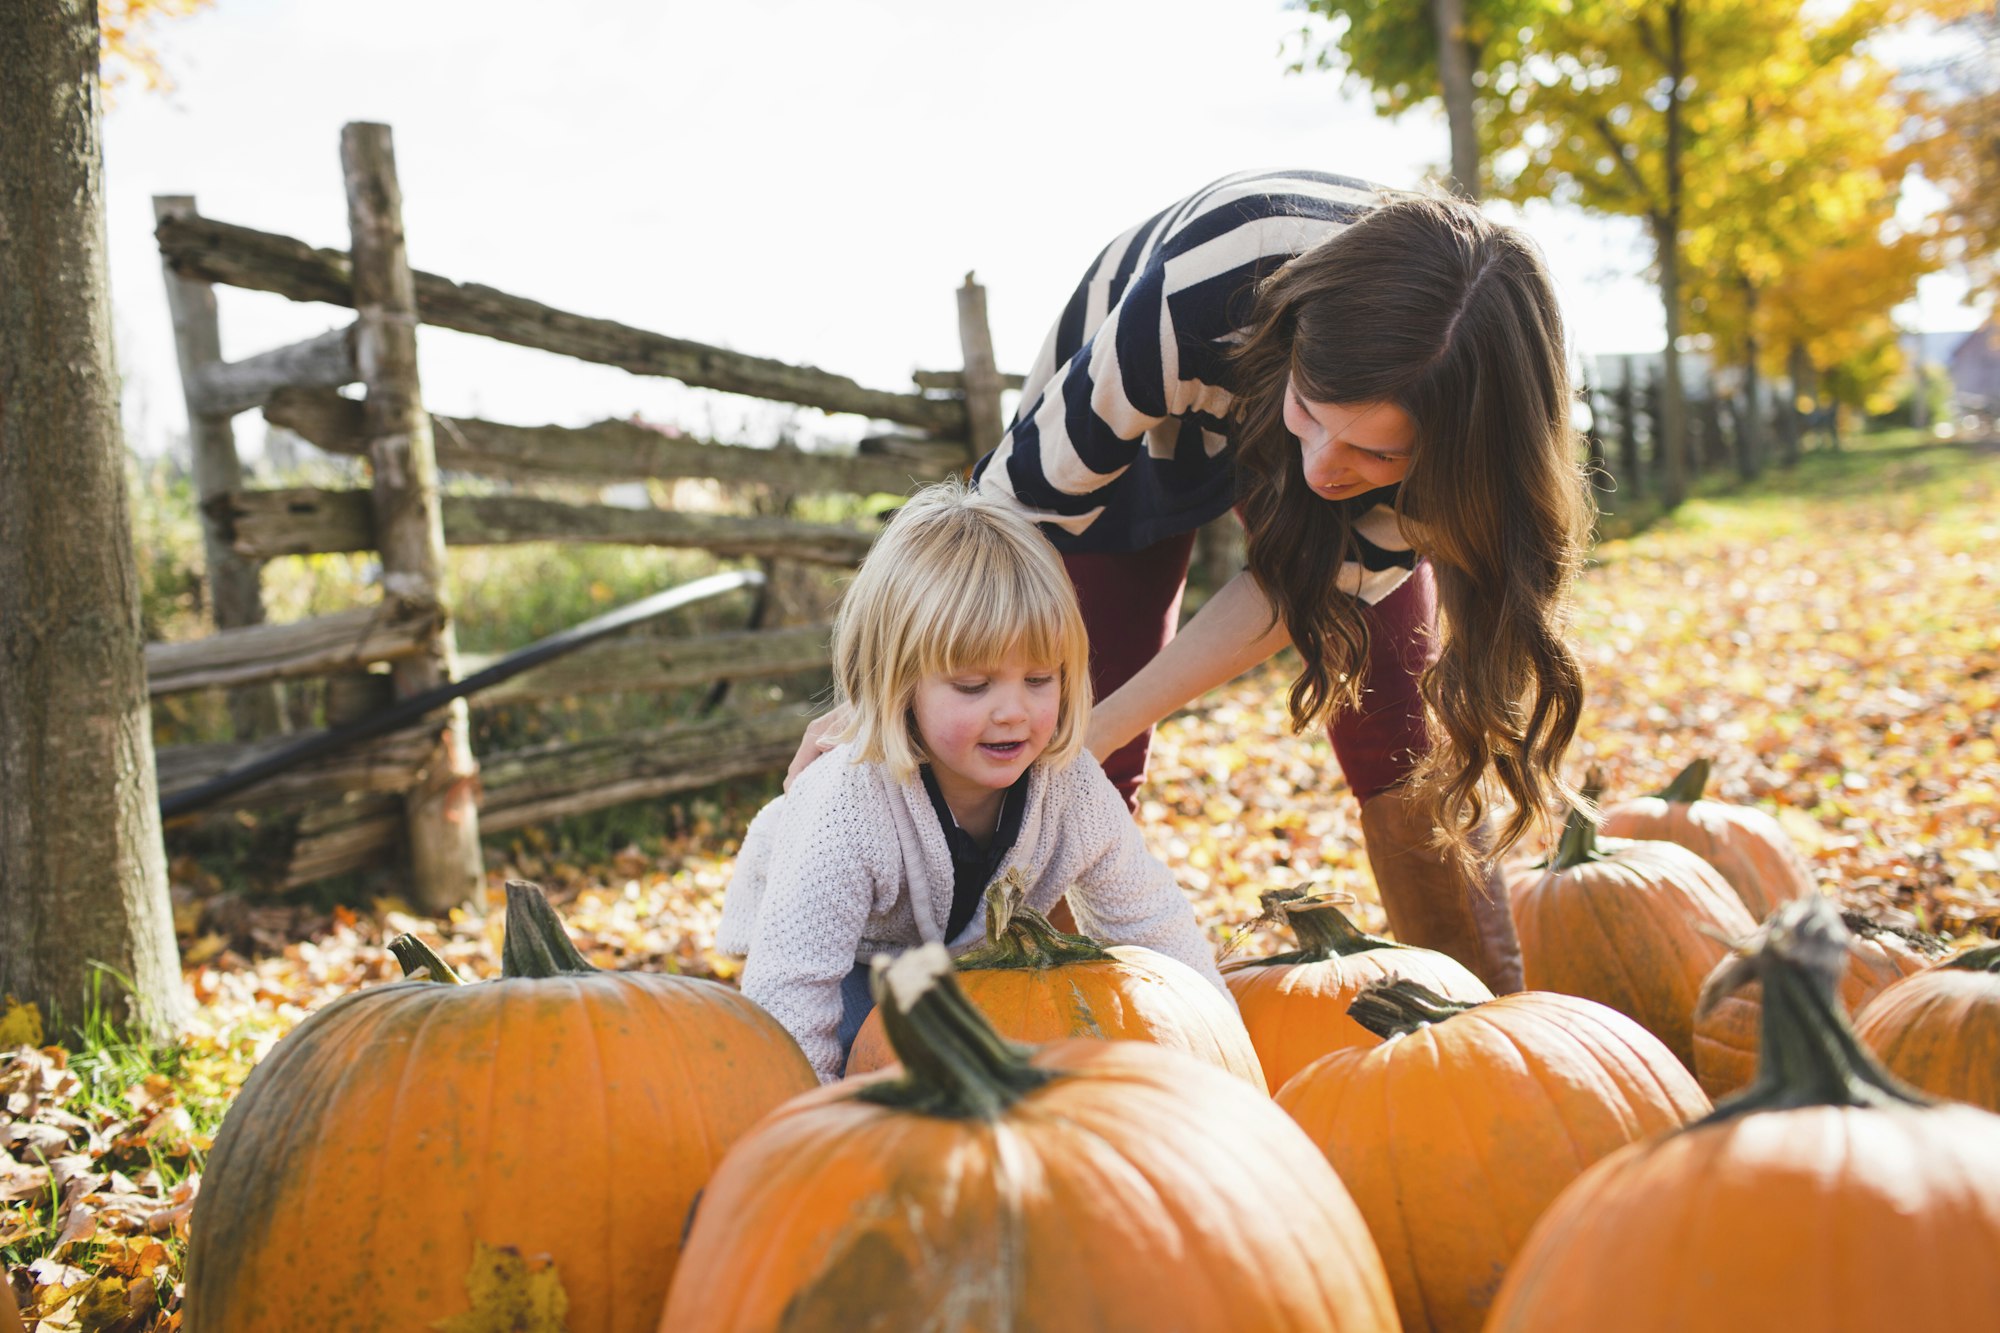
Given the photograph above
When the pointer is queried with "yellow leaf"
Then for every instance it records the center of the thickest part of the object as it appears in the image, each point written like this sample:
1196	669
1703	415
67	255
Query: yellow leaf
510	1294
20	1024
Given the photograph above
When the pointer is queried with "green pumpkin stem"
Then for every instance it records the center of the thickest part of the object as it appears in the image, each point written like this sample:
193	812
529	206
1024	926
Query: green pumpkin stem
536	944
1323	931
1687	786
955	1066
1808	1054
1397	1006
421	963
1983	959
1579	842
1017	936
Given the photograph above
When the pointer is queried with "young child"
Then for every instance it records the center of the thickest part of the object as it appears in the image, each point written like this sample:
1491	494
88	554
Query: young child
959	655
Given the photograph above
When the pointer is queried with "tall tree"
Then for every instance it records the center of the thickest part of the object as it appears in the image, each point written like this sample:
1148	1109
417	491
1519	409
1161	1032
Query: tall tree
1806	172
1409	52
1962	155
83	893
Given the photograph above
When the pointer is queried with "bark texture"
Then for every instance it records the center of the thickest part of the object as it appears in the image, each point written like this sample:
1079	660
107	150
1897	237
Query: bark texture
83	891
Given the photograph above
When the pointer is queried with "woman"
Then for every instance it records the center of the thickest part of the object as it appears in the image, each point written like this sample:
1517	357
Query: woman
1379	385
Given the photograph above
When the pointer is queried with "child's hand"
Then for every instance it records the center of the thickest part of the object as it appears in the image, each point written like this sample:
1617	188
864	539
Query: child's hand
815	743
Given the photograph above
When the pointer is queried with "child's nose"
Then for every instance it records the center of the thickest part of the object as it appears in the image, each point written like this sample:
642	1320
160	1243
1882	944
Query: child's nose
1010	704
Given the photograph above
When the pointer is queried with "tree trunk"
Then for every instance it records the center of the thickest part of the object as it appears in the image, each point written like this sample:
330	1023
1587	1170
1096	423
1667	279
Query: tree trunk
1455	63
84	917
1631	471
1798	369
1750	427
1667	242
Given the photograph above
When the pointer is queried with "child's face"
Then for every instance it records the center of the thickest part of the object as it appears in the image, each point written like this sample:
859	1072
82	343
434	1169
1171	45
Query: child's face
983	726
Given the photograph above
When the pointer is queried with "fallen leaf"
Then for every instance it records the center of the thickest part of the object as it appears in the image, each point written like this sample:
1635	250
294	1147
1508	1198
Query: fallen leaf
510	1294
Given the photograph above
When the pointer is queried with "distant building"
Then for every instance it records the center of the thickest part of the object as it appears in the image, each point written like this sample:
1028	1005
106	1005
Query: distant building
1974	366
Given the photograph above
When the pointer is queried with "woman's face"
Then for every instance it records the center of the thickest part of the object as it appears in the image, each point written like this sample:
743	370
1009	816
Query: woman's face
1349	448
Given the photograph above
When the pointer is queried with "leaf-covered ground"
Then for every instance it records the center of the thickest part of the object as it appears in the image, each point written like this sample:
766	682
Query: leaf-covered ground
1830	639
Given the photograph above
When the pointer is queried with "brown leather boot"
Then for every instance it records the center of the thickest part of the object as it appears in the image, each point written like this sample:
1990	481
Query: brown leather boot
1434	905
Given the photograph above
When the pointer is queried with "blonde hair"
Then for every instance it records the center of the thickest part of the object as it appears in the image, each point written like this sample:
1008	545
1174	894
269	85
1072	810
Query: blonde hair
957	581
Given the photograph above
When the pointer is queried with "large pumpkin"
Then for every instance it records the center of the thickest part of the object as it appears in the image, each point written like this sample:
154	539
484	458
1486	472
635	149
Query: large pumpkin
1826	1197
1725	1036
1748	847
1294	1004
1940	1029
548	1130
1036	984
1085	1185
1635	925
1465	1123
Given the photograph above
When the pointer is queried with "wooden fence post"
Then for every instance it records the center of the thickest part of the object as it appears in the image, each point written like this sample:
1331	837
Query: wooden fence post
982	373
255	710
441	810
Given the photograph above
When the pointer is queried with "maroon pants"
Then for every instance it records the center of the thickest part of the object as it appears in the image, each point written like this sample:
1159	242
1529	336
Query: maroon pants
1131	607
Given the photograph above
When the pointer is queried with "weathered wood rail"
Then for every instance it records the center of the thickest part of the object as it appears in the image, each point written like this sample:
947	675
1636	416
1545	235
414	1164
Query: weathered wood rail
418	793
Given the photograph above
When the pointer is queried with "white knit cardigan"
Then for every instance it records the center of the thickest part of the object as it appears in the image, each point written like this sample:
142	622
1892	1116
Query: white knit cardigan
853	863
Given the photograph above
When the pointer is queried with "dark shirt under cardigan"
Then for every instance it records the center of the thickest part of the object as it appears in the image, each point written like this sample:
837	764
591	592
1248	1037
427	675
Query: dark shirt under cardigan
973	867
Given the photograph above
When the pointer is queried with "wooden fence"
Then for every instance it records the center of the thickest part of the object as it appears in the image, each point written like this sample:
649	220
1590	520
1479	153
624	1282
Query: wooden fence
420	790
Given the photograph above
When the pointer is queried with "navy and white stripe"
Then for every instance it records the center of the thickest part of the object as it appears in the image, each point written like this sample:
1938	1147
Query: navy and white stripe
1122	437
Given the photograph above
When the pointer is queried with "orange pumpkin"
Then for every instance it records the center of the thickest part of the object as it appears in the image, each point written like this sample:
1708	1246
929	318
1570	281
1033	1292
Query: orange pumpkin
398	1143
1826	1197
1036	983
1456	1132
1940	1029
1725	1036
1295	1004
1748	847
1634	925
1082	1186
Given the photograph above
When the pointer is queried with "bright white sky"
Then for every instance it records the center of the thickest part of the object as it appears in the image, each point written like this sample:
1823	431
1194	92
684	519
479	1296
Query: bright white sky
808	181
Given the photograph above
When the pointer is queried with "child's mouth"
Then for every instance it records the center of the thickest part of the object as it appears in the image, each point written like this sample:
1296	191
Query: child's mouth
1003	749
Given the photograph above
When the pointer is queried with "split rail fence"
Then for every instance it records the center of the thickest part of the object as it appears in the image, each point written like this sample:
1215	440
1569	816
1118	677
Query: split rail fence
420	792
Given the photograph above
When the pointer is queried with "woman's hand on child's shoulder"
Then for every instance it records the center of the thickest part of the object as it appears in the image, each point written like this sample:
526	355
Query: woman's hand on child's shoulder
815	742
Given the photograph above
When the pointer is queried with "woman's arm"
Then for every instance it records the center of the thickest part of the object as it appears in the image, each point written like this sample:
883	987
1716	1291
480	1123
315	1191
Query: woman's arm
1232	632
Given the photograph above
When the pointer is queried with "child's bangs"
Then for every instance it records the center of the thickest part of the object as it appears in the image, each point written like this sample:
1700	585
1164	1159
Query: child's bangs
1002	606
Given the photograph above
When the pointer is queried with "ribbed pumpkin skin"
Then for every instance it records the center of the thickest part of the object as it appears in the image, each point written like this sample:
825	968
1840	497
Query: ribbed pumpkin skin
1145	1191
1939	1031
1136	995
1297	1012
576	1117
1748	847
1726	1040
1824	1218
1626	931
1454	1139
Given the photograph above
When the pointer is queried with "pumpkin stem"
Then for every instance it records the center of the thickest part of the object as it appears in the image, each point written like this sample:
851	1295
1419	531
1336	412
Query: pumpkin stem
421	963
1323	931
1983	959
536	944
1017	936
1686	788
1809	1055
1579	842
955	1066
1397	1006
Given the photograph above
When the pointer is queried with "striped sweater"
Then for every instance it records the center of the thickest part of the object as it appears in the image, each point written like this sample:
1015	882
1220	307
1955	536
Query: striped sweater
1122	437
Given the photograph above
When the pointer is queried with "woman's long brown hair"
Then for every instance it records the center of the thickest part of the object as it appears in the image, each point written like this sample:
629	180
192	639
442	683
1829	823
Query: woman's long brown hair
1428	304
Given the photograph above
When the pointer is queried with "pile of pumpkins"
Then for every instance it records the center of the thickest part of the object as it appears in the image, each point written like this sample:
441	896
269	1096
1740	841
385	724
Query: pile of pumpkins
1055	1135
